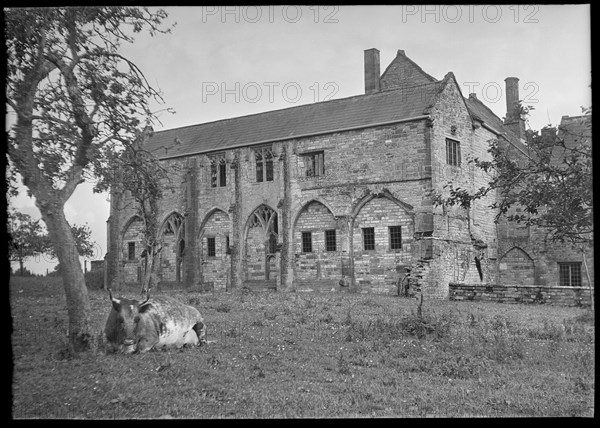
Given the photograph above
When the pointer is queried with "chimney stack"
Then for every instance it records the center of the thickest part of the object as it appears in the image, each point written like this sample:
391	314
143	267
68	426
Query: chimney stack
513	119
371	71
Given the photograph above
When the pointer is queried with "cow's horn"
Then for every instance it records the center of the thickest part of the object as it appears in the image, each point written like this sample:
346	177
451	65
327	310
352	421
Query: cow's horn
147	298
116	301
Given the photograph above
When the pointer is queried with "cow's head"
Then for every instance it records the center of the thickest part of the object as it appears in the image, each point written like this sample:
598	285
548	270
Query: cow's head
127	317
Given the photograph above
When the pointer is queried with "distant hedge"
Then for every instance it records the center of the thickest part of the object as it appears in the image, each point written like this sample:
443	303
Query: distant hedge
94	280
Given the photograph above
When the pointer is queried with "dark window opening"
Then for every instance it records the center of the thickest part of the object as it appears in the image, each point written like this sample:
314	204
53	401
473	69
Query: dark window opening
222	173
330	240
395	237
210	243
368	238
269	165
218	172
213	174
452	152
569	274
315	164
307	242
131	251
264	164
272	243
169	228
259	167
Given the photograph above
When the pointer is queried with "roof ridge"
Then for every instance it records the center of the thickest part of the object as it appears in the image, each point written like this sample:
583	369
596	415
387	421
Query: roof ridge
485	106
374	94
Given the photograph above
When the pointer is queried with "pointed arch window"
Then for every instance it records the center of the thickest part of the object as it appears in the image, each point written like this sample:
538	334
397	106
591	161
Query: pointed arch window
264	164
218	171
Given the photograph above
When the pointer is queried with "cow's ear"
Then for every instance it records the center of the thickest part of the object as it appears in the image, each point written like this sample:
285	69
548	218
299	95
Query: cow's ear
144	307
116	304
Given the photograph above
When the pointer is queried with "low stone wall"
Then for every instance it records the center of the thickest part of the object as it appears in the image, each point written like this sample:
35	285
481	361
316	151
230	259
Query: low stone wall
565	296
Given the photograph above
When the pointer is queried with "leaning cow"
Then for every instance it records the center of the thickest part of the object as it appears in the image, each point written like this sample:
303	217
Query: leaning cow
154	323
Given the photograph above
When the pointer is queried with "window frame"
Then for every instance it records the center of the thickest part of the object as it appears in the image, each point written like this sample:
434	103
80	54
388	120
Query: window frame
364	238
571	274
218	171
306	245
131	251
263	158
391	236
316	161
453	152
211	246
328	247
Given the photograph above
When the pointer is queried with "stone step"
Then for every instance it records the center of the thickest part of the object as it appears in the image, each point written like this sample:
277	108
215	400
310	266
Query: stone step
260	285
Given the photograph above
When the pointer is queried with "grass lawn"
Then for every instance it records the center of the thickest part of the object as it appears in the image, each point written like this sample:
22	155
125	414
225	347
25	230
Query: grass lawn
310	355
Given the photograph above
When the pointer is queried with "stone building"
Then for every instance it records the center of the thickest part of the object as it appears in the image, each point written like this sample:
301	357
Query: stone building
528	257
328	196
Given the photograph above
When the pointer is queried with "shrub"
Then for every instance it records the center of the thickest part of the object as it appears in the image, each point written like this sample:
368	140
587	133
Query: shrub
94	280
223	307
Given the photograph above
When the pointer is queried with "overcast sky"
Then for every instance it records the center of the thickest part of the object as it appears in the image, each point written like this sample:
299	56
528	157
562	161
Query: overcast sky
222	62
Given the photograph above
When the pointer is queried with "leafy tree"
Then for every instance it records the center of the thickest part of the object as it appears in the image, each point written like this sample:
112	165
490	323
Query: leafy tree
26	238
551	182
548	186
83	243
136	172
75	98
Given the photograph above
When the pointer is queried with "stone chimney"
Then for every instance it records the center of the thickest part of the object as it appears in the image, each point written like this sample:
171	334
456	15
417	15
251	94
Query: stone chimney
513	120
372	72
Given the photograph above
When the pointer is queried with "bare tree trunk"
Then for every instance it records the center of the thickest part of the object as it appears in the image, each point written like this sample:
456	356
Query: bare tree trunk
150	280
21	267
78	304
587	272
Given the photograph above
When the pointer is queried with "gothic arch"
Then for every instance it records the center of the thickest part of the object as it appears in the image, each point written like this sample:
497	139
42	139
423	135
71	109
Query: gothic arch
258	214
260	239
316	243
384	194
174	222
516	247
130	249
381	229
306	204
214	248
128	224
172	236
516	266
207	217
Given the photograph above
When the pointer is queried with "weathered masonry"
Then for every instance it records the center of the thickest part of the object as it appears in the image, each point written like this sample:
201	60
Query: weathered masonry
325	195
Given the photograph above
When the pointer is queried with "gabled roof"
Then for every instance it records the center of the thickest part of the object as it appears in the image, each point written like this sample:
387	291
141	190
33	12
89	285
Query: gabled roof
403	71
479	111
312	119
482	113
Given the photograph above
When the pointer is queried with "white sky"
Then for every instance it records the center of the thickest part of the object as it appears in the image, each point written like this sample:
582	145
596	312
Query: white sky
222	62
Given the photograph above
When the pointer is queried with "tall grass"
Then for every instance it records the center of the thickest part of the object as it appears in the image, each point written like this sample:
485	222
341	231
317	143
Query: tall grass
312	355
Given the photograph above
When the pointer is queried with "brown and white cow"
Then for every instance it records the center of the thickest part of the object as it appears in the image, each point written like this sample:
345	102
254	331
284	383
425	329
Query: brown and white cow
154	323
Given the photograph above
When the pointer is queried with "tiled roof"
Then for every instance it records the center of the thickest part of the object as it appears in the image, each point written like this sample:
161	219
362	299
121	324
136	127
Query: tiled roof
481	112
311	119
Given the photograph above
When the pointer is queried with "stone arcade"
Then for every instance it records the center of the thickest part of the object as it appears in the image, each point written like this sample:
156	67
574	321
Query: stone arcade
311	196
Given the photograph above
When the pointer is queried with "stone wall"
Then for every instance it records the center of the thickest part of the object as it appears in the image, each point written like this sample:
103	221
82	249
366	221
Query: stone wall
464	241
377	177
566	296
